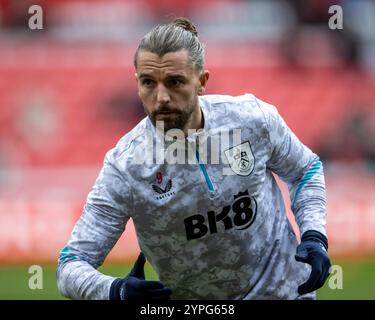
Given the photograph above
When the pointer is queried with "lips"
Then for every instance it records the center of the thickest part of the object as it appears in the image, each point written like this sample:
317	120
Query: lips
166	113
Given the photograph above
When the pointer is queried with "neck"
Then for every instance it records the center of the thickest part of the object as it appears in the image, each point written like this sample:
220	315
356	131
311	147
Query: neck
196	120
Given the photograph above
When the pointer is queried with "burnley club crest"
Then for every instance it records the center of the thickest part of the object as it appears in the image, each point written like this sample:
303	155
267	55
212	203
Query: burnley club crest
240	159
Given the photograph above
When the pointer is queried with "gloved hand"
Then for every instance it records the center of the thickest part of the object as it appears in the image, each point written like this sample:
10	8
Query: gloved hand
313	250
135	287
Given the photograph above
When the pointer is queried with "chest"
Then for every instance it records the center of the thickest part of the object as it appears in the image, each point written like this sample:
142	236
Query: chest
215	193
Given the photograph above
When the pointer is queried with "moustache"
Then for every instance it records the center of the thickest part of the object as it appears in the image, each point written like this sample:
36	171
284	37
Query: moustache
164	110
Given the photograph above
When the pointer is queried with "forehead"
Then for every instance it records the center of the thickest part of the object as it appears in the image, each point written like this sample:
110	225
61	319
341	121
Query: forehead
172	62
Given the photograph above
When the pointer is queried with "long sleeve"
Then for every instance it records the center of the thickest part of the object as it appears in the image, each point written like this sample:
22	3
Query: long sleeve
301	169
102	222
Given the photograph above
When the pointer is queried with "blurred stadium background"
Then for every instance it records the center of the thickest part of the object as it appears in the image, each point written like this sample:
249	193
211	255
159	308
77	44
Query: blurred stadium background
67	94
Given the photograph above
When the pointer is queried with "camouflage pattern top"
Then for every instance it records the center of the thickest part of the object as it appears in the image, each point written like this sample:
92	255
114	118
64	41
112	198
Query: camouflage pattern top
213	227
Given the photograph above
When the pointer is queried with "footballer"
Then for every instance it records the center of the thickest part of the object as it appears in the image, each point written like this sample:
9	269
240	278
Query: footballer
210	229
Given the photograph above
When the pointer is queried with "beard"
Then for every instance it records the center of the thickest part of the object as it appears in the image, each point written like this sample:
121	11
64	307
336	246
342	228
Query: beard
177	119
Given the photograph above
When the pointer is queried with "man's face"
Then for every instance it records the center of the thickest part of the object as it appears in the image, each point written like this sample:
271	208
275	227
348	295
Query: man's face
168	87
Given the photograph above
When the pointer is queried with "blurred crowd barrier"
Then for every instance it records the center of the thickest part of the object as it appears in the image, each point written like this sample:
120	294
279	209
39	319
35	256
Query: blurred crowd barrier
68	93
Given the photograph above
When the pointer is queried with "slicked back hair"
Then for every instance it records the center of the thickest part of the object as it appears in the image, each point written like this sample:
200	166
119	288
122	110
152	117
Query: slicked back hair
178	35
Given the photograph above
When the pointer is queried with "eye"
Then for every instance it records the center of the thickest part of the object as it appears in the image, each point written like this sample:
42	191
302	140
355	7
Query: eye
174	82
147	82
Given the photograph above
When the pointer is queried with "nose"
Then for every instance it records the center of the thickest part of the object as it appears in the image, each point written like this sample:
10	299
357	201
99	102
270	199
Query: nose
162	94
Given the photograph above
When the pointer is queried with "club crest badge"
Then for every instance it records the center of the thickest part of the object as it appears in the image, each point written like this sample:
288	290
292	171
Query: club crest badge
241	159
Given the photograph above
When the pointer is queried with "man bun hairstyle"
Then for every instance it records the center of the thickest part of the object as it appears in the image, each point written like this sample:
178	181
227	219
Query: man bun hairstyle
180	34
186	24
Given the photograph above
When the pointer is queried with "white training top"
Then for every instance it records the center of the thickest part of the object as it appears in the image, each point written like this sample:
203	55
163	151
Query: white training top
212	229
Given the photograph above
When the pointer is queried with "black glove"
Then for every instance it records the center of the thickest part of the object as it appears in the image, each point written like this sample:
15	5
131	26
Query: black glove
313	250
135	287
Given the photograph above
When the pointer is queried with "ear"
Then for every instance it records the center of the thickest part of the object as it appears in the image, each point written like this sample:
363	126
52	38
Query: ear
204	78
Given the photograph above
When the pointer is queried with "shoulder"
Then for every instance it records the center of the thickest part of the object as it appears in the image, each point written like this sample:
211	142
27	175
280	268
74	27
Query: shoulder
126	145
244	108
220	99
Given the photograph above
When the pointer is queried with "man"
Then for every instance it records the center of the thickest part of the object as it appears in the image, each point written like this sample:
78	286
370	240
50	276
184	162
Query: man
215	228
